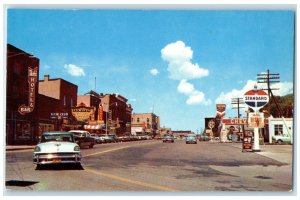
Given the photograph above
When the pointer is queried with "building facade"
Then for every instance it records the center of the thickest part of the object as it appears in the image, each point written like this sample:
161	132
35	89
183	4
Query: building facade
57	97
147	123
280	126
116	114
21	96
181	134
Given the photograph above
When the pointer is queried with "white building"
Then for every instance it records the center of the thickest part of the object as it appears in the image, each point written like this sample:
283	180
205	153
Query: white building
279	126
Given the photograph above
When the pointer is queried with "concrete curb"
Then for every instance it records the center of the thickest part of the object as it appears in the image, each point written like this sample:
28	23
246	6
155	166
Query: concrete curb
18	148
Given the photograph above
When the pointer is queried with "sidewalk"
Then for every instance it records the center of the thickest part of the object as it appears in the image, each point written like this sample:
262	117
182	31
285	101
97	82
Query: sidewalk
281	153
19	147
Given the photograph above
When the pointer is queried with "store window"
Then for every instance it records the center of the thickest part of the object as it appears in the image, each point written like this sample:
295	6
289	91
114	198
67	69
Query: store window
23	130
278	129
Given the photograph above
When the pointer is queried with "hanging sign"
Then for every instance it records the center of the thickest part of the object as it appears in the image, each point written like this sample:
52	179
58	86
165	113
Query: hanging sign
100	114
221	110
32	79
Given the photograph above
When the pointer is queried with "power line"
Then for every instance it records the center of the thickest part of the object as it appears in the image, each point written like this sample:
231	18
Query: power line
269	78
238	102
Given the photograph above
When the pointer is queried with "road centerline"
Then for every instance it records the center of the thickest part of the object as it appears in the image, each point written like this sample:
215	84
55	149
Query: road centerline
126	180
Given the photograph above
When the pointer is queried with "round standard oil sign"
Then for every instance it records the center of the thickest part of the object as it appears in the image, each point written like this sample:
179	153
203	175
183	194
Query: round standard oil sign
256	98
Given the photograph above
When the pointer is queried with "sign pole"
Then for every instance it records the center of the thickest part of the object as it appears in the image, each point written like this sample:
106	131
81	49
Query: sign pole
256	99
256	140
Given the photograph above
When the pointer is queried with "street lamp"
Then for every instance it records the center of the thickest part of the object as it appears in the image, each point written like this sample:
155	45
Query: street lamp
106	115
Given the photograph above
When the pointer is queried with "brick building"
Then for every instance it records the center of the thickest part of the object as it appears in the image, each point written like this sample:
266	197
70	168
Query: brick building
145	123
116	114
22	73
57	97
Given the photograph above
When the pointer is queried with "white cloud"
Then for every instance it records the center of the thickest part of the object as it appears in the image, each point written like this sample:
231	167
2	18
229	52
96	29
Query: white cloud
195	97
185	87
179	58
154	72
198	98
74	70
133	99
284	88
180	67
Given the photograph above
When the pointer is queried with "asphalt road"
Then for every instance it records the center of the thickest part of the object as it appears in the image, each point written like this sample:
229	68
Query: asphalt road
153	166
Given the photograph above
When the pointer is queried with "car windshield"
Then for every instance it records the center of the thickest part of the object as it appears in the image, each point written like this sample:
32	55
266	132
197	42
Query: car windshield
57	138
191	137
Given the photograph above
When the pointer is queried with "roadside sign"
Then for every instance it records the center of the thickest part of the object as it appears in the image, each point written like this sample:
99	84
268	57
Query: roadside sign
211	124
256	99
247	143
221	110
256	120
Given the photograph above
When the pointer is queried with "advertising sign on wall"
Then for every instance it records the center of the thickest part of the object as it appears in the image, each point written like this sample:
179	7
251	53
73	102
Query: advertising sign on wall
83	113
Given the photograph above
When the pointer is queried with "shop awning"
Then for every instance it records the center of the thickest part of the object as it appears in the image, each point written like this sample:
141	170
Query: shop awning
94	127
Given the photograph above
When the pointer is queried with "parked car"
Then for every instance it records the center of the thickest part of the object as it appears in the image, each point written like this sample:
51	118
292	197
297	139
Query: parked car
83	138
114	138
281	138
168	138
124	138
204	138
191	139
98	139
56	148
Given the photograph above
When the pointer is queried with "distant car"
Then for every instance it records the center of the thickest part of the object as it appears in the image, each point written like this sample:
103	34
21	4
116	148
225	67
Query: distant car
281	139
168	138
204	138
114	138
83	138
191	139
98	139
124	138
56	148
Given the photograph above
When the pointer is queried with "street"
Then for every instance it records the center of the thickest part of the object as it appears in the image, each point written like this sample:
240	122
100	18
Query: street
152	165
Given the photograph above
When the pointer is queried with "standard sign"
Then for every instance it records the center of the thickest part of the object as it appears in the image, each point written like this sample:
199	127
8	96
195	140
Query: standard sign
256	99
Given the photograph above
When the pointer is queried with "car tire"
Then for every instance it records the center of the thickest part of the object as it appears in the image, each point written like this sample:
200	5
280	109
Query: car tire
279	141
91	145
38	167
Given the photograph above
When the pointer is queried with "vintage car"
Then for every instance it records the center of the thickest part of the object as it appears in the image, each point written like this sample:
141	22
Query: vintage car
168	138
191	139
56	148
83	138
280	139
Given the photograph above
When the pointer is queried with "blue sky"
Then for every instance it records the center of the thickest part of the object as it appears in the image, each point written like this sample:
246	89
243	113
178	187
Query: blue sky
177	63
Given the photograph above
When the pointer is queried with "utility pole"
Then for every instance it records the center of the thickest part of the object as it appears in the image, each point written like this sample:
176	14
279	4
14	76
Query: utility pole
238	102
268	79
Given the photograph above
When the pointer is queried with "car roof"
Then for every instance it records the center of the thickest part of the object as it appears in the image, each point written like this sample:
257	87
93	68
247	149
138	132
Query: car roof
79	131
57	133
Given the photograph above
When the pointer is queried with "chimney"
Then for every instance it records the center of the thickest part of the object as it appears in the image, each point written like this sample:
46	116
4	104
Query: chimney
46	77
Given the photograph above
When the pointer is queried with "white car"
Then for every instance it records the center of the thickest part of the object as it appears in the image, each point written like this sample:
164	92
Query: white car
56	148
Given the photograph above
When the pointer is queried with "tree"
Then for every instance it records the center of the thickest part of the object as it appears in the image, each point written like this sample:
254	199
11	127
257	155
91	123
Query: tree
285	104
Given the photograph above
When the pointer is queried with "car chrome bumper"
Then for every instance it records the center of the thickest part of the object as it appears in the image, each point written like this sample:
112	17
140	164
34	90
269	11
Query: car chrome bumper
55	158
